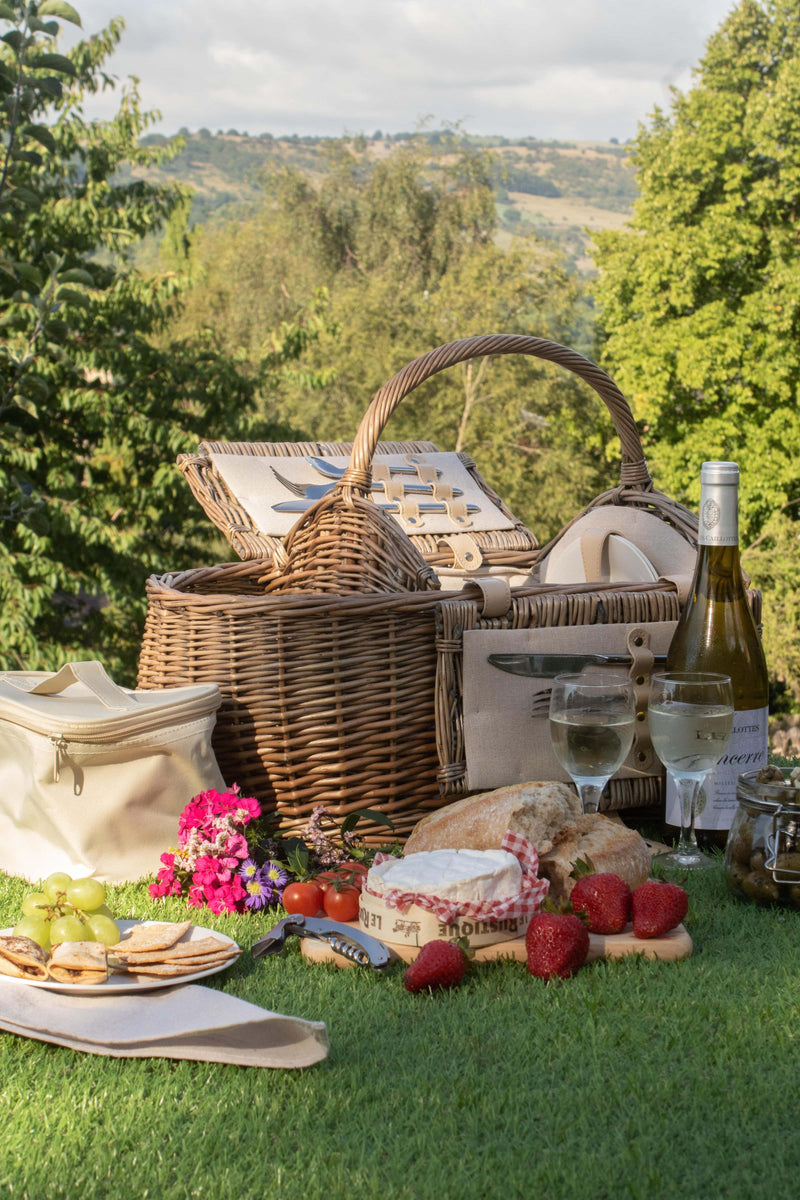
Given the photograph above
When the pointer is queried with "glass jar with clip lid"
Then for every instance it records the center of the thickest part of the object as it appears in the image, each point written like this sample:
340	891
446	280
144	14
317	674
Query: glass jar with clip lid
762	854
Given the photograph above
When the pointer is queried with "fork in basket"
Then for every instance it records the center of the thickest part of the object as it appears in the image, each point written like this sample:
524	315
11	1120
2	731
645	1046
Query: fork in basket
540	704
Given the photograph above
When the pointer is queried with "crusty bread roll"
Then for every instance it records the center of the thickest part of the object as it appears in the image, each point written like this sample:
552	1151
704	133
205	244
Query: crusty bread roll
537	811
607	845
547	814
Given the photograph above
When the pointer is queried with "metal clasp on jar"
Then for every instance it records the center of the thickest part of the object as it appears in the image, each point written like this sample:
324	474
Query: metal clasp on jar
783	851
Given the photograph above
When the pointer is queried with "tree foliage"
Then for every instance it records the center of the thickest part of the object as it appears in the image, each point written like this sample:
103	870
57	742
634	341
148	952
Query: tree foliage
378	261
700	299
93	411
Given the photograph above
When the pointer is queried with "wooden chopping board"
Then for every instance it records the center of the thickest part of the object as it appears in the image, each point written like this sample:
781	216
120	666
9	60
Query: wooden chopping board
674	945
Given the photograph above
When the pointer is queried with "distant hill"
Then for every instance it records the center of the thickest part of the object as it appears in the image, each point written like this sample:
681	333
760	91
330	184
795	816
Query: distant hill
555	189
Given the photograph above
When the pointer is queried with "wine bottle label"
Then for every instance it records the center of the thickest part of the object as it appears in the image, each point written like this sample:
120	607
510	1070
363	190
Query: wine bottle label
747	751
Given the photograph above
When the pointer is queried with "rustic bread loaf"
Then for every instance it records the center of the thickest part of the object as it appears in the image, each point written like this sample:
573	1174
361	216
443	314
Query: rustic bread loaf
547	814
605	844
537	811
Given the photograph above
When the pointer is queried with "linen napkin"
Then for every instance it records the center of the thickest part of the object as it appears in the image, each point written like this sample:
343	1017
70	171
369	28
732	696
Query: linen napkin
188	1022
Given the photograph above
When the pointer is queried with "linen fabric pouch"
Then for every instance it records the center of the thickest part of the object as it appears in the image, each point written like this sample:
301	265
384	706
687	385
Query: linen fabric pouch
93	776
190	1022
506	722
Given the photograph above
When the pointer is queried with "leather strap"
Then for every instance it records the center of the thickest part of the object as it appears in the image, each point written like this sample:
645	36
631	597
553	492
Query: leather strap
466	552
682	582
425	472
496	595
457	512
593	543
394	490
638	643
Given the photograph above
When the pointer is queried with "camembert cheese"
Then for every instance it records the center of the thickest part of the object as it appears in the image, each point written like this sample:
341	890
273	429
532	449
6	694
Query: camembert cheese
455	875
458	876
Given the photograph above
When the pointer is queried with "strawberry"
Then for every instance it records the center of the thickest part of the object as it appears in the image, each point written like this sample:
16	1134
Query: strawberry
605	901
658	907
438	965
557	944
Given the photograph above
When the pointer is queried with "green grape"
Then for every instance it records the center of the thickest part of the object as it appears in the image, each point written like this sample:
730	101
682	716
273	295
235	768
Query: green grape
35	928
56	884
103	928
86	894
70	929
103	911
33	903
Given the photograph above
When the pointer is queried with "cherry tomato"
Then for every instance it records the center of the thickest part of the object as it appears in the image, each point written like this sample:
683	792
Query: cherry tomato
342	904
304	898
351	874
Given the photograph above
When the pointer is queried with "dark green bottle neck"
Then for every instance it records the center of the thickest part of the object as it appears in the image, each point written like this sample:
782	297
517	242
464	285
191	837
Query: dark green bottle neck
718	573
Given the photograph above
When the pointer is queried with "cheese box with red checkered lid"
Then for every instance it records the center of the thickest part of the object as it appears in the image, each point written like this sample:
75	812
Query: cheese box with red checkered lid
482	896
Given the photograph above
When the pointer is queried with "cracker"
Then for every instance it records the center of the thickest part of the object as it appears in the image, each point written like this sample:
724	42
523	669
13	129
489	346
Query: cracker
78	962
150	960
182	949
64	975
167	970
22	958
159	935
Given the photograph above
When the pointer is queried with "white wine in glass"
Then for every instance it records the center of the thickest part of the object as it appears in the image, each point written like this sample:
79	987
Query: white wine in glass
592	720
690	714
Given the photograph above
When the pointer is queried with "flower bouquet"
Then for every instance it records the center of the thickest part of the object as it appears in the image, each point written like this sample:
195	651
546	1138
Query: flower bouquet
227	860
213	863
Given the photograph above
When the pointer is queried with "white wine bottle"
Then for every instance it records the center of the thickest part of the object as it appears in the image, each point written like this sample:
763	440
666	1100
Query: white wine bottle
716	632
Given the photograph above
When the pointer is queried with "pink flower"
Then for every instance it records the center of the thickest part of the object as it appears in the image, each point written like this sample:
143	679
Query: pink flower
210	870
211	849
229	897
237	844
247	809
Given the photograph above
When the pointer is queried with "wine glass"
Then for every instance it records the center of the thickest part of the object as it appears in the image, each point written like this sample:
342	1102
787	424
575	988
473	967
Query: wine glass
690	714
592	719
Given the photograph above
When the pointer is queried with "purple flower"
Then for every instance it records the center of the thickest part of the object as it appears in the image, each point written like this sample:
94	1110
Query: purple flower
259	892
264	885
276	875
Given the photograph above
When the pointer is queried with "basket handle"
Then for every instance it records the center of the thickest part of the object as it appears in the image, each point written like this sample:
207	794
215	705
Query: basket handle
359	471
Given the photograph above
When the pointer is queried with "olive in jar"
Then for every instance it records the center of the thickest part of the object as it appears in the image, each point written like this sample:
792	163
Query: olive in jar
762	855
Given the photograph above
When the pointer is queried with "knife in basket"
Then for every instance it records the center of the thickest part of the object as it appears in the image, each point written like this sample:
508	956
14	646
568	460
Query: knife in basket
293	506
547	666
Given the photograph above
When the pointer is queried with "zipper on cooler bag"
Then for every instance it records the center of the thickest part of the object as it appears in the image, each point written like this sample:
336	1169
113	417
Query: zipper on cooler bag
60	743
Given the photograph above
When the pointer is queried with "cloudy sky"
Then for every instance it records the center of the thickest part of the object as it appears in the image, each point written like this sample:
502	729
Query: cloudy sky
543	68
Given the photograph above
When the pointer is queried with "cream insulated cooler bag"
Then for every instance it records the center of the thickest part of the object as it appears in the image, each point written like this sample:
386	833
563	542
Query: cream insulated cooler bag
93	776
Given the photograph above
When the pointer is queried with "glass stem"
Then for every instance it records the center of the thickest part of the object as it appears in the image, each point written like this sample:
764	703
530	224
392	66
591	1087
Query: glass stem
590	794
687	788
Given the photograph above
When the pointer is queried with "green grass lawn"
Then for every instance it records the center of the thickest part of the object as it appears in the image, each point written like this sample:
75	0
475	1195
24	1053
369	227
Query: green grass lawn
633	1079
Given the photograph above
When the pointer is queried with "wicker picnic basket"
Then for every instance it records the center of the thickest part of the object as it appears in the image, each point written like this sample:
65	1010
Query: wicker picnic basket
325	649
513	545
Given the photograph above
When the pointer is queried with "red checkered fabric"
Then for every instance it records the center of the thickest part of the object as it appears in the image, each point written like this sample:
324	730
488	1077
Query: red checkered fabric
527	901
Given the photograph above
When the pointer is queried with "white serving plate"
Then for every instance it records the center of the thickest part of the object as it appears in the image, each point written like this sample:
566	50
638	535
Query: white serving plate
124	984
626	564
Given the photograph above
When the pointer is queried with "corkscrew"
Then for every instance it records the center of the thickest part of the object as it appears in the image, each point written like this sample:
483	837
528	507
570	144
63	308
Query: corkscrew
359	947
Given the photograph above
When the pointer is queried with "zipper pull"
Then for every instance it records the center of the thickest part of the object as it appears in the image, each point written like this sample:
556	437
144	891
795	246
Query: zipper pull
59	743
